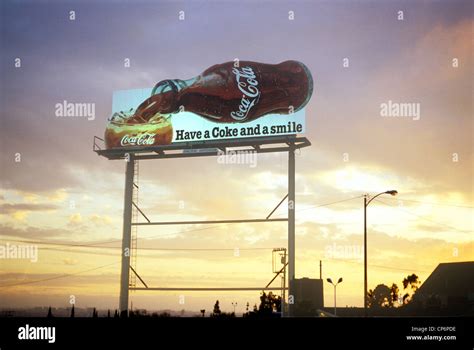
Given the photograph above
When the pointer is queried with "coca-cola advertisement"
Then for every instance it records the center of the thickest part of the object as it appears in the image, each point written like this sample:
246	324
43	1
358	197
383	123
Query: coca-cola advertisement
236	99
230	172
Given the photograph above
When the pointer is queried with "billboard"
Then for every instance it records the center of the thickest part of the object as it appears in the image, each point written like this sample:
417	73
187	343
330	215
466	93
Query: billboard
227	101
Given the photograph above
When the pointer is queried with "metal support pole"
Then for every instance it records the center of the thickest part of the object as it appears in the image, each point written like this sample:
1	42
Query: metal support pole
365	255
283	306
291	229
127	235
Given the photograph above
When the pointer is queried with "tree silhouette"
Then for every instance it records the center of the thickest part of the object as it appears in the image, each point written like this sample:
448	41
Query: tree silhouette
217	309
116	315
94	313
218	313
412	281
380	296
265	306
72	311
269	303
50	314
394	294
203	312
411	284
108	313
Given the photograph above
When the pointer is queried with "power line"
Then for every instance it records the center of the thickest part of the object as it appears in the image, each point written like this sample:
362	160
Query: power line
144	256
423	218
94	245
71	245
432	203
160	235
380	266
331	203
326	204
143	248
107	265
58	277
307	208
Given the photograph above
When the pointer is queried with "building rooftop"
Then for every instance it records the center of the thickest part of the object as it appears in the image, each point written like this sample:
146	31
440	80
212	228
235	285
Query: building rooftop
450	280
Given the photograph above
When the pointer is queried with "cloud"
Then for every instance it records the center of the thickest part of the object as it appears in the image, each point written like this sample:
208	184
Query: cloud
20	215
61	283
100	219
75	219
9	208
70	261
409	60
31	232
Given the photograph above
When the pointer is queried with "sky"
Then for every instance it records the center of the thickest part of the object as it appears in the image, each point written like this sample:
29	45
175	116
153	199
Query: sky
56	192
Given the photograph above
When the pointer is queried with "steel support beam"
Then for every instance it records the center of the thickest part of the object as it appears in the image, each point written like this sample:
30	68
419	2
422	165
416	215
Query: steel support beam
208	148
291	229
136	274
278	205
127	236
199	222
210	289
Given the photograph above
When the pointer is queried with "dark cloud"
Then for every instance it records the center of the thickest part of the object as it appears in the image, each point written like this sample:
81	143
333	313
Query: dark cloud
8	208
98	278
57	65
31	232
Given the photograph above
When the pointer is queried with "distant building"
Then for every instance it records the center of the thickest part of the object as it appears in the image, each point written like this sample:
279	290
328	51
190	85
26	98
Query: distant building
449	288
308	296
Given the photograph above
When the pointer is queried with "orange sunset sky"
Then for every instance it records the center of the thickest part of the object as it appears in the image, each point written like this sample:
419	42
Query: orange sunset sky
61	194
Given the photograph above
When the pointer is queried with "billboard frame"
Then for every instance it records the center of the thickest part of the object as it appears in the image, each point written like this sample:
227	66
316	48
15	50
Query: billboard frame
201	149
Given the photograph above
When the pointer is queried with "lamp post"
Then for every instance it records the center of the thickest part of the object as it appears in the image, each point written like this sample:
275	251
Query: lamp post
367	201
335	285
234	305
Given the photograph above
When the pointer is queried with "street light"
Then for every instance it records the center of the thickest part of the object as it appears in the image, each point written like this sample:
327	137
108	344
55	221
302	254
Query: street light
335	285
234	305
366	203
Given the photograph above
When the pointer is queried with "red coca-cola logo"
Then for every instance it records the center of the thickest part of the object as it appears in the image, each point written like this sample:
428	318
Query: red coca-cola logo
247	84
145	139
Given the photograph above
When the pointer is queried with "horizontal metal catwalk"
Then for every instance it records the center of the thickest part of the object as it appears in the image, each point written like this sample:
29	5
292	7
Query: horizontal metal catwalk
210	289
204	148
197	222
